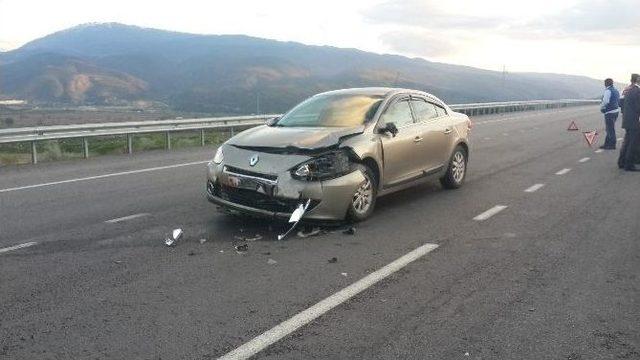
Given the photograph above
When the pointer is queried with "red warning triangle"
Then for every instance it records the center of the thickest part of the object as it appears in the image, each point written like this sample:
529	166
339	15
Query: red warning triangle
591	137
573	126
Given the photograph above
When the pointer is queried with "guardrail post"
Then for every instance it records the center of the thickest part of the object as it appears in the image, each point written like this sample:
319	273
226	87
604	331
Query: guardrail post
85	147
201	137
34	153
130	144
168	140
232	132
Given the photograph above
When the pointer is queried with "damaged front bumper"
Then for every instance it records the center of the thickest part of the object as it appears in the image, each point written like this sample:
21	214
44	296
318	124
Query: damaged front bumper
278	195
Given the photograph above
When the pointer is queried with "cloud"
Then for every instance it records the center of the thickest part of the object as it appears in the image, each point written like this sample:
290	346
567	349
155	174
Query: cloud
426	14
613	21
417	43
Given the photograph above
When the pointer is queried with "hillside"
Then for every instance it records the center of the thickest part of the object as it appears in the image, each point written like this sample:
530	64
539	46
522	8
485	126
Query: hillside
233	74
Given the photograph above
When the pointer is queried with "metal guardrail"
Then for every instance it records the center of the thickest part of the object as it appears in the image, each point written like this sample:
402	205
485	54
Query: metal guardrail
40	133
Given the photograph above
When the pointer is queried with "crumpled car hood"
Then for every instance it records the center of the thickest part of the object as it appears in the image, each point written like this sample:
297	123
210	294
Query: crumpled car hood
302	138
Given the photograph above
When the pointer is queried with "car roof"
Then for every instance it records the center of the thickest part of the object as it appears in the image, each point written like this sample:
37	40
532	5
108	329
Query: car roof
375	91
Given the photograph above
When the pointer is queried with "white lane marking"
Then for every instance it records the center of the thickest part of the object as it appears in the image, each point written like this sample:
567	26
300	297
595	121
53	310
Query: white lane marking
286	327
599	151
125	218
489	213
534	188
16	247
563	171
102	176
585	159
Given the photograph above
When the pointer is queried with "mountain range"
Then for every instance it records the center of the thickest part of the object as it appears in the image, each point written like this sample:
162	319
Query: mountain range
111	64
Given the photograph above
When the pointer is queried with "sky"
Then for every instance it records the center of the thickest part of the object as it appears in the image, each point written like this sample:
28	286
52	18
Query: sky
596	38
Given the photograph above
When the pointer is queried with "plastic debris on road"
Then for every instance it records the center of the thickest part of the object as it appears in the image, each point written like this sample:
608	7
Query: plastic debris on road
271	262
333	260
242	248
344	274
295	217
350	231
172	238
202	241
304	233
254	238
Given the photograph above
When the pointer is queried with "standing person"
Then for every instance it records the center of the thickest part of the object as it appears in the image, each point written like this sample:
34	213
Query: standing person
610	108
631	124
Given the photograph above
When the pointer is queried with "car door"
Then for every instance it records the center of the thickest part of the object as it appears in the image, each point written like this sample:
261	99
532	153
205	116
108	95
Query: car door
399	160
432	122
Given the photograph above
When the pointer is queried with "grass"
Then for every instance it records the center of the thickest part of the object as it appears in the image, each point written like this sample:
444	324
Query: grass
68	149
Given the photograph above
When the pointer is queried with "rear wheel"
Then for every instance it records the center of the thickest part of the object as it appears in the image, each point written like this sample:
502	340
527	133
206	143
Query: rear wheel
364	199
457	170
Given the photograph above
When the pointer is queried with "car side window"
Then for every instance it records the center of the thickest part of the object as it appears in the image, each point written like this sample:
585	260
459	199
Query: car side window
441	111
398	113
423	110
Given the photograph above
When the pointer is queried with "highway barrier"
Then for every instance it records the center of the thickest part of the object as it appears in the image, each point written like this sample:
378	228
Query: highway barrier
128	130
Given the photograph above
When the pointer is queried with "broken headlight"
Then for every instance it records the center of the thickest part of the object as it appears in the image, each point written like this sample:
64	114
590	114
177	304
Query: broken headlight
219	157
326	166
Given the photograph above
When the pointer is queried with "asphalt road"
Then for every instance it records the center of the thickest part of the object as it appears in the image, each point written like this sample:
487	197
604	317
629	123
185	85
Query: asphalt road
554	273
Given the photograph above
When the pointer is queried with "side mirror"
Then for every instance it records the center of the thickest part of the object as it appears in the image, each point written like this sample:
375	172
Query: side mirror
390	128
272	121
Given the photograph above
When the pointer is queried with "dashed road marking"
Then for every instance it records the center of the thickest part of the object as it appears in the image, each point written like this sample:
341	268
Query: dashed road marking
125	218
286	327
534	188
16	247
563	171
102	176
585	159
489	213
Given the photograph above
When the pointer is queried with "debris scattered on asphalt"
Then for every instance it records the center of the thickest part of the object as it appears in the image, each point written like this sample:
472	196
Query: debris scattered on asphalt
172	238
344	274
241	249
254	238
117	261
271	262
532	309
333	260
266	253
466	354
203	240
191	253
295	217
307	232
350	231
221	251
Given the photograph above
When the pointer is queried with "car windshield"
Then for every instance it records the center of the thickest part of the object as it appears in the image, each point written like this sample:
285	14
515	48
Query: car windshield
332	110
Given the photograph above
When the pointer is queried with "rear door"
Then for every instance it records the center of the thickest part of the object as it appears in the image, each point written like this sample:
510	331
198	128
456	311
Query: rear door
400	160
433	124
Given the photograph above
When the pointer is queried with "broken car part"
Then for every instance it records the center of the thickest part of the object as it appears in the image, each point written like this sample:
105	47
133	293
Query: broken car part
172	238
295	217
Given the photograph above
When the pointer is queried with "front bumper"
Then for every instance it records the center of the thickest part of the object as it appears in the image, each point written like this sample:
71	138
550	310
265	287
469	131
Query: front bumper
330	199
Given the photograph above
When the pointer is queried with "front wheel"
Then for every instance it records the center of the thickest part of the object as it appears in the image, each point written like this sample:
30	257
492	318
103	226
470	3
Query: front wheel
364	199
457	170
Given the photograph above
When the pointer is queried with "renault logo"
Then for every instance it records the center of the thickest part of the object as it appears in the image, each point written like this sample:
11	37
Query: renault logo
254	160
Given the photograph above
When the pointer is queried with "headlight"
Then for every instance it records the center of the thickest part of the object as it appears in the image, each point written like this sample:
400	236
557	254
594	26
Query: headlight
219	156
326	166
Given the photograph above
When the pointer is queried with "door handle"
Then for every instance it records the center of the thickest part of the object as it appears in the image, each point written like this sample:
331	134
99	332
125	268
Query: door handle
447	131
417	139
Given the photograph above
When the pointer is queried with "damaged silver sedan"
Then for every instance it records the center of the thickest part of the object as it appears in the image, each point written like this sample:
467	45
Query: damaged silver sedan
337	152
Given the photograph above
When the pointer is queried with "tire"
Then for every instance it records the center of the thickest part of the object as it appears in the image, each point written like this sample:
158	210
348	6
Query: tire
367	192
457	170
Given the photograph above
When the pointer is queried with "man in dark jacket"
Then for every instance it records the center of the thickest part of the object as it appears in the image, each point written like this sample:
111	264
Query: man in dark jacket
610	108
631	124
